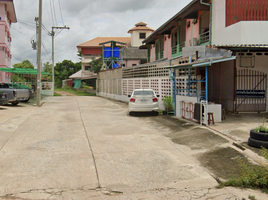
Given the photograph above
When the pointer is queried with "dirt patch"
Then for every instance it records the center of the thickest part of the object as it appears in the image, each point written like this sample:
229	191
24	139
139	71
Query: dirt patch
222	162
63	93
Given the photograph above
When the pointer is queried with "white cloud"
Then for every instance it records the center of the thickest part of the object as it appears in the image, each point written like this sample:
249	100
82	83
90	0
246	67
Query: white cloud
87	19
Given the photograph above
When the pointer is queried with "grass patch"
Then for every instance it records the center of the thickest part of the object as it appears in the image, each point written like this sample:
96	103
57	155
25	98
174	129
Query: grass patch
56	94
251	176
79	92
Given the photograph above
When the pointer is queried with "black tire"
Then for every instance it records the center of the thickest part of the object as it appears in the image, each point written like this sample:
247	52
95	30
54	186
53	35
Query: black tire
15	103
26	100
130	114
258	135
257	143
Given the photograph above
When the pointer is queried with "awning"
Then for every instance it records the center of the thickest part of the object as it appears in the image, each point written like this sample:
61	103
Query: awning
23	71
207	62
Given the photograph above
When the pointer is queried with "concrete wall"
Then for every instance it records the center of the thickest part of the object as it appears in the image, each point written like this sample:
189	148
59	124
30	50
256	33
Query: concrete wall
244	32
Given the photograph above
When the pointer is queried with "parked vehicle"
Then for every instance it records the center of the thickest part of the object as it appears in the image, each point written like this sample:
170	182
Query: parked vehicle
14	95
3	98
143	100
21	86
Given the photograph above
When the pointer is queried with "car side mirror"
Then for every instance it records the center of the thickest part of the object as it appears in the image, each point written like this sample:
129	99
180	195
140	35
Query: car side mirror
128	95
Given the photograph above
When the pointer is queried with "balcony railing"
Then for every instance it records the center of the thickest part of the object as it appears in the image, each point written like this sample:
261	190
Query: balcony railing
204	37
181	45
161	54
174	49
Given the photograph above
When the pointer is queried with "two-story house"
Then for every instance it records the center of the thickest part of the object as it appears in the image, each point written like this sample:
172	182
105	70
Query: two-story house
214	50
131	54
7	17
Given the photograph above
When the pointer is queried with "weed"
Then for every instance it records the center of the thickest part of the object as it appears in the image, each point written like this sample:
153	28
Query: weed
251	176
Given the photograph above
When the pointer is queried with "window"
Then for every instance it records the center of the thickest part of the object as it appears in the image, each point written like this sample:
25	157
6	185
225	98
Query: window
87	67
142	35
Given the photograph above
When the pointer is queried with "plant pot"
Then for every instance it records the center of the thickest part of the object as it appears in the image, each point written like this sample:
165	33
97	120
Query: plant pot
258	135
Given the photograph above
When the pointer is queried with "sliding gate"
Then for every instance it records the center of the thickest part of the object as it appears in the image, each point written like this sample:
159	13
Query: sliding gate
250	91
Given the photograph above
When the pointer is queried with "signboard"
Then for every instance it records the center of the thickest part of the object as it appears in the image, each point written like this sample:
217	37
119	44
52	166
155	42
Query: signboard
250	93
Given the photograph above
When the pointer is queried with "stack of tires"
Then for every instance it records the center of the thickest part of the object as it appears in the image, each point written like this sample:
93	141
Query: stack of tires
258	139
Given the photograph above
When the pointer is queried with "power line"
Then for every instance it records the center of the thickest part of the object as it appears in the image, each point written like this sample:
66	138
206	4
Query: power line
51	13
55	17
61	13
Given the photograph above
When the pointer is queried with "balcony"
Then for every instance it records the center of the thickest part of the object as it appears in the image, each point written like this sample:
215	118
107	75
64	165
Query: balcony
181	45
204	37
174	49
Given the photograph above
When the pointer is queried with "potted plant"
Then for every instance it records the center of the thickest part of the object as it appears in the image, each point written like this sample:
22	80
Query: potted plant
168	104
259	136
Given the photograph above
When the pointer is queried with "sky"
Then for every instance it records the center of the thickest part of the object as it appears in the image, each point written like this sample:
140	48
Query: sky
87	19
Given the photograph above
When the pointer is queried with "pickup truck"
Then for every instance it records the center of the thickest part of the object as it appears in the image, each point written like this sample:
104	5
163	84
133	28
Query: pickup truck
3	98
14	95
21	86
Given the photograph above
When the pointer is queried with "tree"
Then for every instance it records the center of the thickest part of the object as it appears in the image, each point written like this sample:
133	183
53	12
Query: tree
47	67
96	65
65	69
26	64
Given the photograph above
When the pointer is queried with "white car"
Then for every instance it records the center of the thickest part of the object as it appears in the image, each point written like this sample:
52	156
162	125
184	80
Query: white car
143	100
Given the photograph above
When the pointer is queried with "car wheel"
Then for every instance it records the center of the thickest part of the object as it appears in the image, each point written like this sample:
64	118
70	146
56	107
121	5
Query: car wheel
15	103
130	113
257	143
258	135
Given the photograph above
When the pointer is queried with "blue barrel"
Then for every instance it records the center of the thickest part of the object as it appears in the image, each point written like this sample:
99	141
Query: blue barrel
115	65
107	52
116	52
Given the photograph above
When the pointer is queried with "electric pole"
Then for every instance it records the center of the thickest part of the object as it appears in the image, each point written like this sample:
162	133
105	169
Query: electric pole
53	34
39	84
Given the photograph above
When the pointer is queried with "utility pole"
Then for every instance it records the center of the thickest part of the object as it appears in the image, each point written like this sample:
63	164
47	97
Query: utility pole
39	84
53	34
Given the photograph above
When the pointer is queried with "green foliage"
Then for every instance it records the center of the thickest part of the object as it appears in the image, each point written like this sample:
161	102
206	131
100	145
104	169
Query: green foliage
65	69
262	128
47	67
168	104
26	64
251	176
96	65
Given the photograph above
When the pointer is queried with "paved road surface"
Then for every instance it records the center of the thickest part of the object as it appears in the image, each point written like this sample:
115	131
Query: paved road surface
89	148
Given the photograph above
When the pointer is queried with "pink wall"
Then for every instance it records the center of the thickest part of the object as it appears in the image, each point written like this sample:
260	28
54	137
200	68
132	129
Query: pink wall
129	63
195	28
5	53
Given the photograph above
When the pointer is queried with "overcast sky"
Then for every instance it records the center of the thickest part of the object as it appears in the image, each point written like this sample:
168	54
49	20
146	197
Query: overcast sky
87	19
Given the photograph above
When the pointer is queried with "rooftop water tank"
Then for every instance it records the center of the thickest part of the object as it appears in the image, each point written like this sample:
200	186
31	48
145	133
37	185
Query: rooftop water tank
107	52
116	52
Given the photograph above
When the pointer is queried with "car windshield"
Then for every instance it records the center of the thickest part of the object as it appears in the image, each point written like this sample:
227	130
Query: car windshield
143	92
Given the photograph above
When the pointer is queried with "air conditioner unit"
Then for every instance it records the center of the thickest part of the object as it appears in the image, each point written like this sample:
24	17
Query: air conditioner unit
194	42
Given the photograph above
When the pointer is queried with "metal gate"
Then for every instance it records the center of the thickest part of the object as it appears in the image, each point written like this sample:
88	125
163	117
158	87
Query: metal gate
250	91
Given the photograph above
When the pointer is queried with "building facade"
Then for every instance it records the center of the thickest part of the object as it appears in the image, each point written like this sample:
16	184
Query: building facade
7	17
213	50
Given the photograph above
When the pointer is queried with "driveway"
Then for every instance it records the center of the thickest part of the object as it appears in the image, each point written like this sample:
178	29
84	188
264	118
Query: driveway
89	148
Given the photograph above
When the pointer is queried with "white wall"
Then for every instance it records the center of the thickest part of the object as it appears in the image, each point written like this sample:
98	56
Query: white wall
244	32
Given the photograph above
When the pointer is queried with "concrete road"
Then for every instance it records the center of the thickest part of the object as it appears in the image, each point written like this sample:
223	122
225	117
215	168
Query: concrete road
89	148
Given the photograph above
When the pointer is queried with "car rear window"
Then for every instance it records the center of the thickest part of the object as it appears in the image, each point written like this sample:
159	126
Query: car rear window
143	93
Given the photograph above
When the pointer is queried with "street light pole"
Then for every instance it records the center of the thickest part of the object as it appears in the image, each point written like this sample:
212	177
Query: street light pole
53	34
39	86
